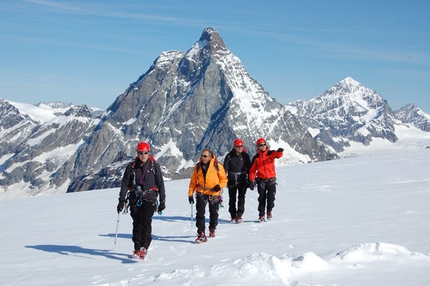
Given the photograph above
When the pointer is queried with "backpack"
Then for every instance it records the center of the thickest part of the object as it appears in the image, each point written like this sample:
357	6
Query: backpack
138	192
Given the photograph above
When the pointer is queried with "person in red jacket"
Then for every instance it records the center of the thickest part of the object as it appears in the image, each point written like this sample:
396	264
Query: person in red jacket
263	173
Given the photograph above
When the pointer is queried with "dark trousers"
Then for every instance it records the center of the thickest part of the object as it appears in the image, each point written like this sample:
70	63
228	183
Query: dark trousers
142	224
201	202
240	192
266	193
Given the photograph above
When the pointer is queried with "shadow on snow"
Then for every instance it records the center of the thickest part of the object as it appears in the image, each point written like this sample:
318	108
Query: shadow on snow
124	258
169	238
184	218
76	250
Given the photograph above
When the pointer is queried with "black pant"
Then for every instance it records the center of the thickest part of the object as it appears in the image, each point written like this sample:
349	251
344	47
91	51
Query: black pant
239	191
266	193
142	224
201	202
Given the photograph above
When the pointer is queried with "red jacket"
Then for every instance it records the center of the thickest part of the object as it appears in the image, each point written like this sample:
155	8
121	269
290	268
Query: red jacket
263	164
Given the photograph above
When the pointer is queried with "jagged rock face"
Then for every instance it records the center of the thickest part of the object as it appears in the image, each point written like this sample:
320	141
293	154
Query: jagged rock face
14	127
350	111
35	162
413	114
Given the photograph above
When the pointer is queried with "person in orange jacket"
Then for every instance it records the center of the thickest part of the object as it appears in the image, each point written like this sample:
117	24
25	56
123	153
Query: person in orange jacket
207	181
263	173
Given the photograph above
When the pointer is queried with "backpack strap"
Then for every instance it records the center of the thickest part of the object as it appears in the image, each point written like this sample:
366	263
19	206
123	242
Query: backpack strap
216	165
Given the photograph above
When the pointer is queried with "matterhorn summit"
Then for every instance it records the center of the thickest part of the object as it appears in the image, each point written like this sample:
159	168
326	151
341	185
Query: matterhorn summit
188	101
211	41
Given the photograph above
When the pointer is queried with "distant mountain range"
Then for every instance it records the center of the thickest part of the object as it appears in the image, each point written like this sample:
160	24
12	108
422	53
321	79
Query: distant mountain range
186	101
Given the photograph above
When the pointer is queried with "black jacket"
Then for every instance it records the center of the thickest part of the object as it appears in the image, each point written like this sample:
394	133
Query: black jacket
237	166
151	182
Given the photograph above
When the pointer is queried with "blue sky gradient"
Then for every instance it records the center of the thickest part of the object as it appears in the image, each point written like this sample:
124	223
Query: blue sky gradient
88	52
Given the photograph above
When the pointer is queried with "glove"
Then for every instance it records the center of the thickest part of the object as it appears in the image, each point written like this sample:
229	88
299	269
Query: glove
251	185
280	150
161	206
120	207
191	199
217	188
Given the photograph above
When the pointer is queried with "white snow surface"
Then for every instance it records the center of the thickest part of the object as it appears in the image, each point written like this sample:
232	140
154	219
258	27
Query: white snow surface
40	113
355	221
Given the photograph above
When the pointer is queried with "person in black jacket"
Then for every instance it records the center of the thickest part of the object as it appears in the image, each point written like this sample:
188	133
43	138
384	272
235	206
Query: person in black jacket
237	164
141	184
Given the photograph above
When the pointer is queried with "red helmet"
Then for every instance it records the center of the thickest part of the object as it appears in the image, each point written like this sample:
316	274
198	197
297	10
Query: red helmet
260	141
143	146
238	142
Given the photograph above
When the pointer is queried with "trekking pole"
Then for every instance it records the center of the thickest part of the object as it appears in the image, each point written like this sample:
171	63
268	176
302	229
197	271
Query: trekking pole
124	211
116	232
191	214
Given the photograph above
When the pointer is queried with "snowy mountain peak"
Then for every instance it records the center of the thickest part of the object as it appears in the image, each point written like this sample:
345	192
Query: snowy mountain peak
348	93
347	86
345	97
348	110
411	113
349	81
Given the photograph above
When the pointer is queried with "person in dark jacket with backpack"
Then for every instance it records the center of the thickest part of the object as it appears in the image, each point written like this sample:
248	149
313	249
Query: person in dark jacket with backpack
263	172
237	164
141	184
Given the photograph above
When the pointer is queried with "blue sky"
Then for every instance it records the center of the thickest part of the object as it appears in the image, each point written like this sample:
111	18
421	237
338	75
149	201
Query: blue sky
88	52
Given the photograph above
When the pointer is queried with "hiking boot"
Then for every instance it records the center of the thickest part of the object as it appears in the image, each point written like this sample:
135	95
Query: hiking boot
261	219
136	254
139	254
201	237
239	219
269	215
142	253
211	232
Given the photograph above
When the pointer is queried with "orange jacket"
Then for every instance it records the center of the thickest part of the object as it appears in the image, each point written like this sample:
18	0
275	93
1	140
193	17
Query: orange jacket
202	184
263	165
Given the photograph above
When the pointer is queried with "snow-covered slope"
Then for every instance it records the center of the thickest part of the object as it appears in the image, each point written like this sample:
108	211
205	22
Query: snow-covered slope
356	221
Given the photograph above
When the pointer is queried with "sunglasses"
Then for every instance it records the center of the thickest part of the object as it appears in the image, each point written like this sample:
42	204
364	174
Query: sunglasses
204	156
261	145
239	146
143	153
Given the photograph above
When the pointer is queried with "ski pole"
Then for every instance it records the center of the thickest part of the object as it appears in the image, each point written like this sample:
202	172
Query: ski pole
116	232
